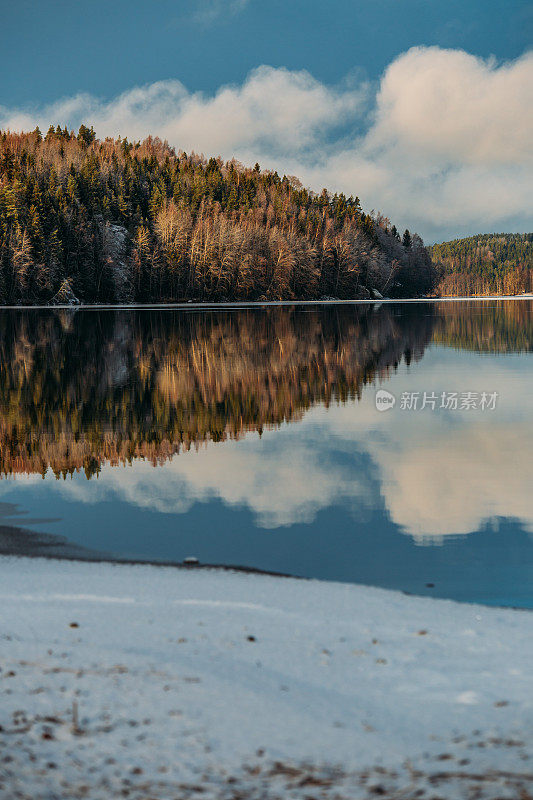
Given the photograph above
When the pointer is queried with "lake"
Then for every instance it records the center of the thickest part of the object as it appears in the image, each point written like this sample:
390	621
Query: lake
385	444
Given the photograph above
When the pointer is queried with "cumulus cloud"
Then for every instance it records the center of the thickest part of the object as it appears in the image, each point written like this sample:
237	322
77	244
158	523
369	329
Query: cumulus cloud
442	146
452	134
449	105
274	113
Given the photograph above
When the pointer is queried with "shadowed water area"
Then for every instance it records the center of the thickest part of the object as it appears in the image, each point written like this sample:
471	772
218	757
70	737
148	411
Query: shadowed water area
253	437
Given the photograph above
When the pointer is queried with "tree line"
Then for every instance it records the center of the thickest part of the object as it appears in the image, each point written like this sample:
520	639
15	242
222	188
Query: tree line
120	221
486	264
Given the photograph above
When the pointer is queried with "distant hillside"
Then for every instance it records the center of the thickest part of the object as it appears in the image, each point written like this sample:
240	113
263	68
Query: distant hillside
491	263
111	220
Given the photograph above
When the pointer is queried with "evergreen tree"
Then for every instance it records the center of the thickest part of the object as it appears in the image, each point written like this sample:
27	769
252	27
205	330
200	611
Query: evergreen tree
134	219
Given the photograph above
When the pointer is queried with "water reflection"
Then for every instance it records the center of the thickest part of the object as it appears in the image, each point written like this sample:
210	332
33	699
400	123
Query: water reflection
78	389
262	423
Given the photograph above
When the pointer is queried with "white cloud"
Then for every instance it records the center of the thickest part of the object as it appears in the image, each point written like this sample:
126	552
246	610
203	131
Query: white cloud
275	113
445	148
449	106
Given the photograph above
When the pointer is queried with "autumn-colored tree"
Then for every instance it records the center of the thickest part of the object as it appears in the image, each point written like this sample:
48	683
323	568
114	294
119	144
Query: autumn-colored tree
139	221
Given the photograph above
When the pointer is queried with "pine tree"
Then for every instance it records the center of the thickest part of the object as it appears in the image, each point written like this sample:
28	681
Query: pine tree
86	135
237	231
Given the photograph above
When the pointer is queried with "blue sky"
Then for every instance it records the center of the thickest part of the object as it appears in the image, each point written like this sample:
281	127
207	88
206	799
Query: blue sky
59	48
61	51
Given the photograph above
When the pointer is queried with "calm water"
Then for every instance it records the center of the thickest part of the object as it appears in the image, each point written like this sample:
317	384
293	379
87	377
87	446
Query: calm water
252	437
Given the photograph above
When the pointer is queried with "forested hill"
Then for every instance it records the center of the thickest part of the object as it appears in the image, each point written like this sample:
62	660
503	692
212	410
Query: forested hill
115	221
492	263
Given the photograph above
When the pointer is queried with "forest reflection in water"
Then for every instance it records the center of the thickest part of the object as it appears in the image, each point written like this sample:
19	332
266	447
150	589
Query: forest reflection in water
79	388
269	411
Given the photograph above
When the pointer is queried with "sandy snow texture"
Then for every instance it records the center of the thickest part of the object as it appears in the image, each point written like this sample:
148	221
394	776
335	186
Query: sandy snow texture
215	684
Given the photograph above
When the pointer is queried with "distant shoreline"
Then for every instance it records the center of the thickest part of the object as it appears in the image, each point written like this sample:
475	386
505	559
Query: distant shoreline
266	303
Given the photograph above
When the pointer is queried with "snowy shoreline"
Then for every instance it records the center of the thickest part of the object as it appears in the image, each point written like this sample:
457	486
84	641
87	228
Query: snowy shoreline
236	682
265	303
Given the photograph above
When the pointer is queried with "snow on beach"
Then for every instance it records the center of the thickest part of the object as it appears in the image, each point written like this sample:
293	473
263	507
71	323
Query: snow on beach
156	682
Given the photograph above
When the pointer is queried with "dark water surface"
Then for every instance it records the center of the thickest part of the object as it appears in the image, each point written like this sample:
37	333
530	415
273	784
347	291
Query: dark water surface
252	437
